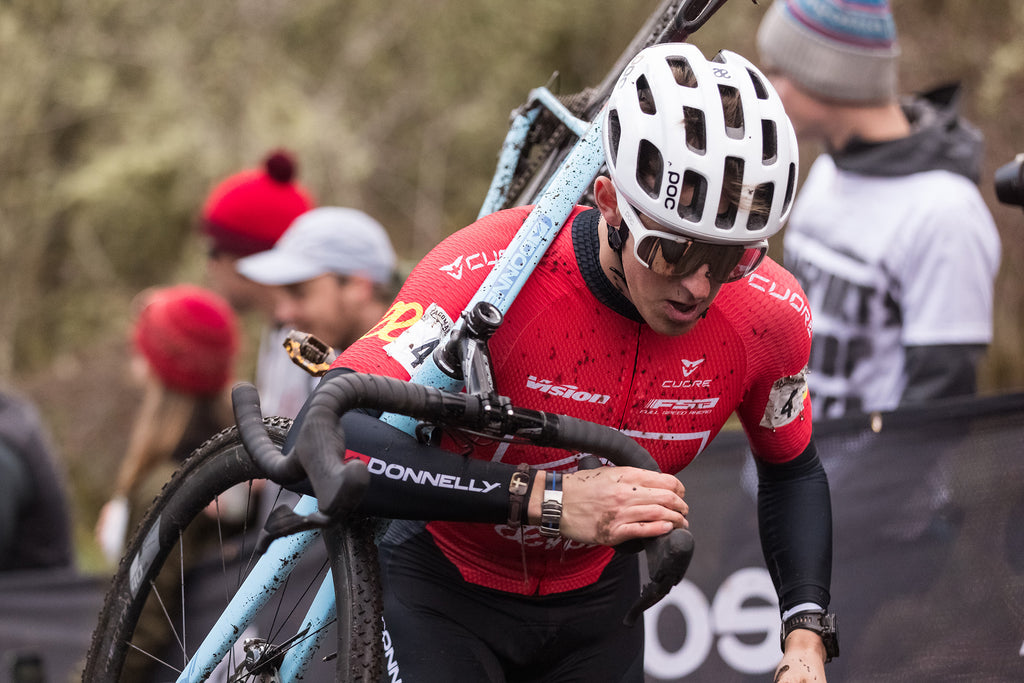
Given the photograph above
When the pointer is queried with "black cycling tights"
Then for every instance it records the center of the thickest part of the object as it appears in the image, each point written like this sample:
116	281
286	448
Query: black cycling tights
438	627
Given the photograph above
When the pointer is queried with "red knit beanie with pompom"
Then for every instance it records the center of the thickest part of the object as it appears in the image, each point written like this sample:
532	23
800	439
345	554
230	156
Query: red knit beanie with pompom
248	211
190	337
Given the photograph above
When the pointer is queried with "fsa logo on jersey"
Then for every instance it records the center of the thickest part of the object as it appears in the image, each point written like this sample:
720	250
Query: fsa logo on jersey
663	406
546	386
471	262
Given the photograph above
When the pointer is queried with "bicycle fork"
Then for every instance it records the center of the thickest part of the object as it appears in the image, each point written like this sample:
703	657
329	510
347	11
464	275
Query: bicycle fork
270	572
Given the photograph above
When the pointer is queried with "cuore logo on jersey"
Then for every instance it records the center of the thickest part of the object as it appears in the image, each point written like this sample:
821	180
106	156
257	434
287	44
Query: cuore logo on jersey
400	317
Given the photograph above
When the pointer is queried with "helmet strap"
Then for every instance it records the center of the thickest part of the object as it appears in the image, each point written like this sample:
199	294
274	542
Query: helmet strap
617	237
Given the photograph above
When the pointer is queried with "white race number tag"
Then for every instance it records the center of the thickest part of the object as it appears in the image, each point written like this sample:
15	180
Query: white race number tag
785	401
416	344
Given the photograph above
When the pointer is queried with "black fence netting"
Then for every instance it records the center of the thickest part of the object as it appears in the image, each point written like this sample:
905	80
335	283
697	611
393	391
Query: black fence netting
928	574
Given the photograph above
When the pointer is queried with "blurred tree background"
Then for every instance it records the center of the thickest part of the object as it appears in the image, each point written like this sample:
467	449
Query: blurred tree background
119	116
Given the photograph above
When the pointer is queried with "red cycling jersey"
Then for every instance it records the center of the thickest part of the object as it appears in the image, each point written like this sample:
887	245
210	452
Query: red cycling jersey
571	344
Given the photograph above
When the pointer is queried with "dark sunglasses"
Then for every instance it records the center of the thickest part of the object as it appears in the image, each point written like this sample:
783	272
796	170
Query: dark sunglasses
672	255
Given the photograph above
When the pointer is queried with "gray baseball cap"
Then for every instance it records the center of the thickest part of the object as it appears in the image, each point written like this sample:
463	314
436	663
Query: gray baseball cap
328	239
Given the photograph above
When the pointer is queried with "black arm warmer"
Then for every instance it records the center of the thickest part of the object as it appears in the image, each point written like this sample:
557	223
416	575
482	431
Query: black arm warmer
410	480
794	510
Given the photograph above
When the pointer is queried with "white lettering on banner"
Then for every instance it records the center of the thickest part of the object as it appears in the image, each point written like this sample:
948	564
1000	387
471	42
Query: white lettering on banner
744	605
423	477
795	299
658	661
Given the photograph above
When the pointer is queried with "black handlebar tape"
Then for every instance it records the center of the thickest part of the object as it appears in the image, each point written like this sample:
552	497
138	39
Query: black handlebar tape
320	445
580	435
668	558
245	403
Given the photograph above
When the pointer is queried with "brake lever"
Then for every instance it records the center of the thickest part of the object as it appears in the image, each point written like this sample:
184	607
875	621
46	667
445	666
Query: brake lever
668	558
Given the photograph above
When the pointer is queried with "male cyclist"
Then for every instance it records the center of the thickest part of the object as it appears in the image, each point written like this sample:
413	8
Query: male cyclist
655	313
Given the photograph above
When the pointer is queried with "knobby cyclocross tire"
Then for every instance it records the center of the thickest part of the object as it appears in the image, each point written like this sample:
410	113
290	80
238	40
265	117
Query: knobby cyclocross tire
179	524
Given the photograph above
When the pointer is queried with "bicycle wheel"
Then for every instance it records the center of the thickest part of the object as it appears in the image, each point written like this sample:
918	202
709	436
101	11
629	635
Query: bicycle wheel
190	553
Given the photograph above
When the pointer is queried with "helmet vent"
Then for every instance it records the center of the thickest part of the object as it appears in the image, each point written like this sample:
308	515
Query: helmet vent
761	206
732	188
644	96
696	187
732	109
649	168
769	142
790	184
614	134
682	72
696	130
762	92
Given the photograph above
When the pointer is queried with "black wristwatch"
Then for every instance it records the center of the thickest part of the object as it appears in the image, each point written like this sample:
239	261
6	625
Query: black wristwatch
822	623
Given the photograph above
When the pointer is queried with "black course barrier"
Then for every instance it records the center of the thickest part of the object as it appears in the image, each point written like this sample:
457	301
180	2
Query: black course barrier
46	622
928	577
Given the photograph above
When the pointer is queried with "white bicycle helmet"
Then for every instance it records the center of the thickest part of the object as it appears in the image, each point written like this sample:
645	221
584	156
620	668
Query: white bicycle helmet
675	154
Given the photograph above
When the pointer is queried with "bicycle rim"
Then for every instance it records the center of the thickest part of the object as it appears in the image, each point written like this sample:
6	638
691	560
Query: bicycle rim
152	619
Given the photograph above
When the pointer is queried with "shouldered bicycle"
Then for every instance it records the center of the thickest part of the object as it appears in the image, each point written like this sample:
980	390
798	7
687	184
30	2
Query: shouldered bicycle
271	628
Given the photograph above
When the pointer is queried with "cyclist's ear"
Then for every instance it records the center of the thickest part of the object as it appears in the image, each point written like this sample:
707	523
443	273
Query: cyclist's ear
607	201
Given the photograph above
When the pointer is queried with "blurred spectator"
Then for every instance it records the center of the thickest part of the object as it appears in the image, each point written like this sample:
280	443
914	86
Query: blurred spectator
35	528
246	214
889	236
185	340
333	271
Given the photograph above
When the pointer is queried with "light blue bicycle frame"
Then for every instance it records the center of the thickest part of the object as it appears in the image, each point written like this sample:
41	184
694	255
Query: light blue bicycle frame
555	203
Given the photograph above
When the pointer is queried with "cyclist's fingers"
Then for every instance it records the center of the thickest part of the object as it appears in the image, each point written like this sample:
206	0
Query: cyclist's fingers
607	504
645	488
620	523
666	499
652	513
630	477
646	527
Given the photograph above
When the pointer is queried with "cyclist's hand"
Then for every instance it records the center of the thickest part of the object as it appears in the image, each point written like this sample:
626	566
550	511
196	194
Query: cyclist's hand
609	505
804	659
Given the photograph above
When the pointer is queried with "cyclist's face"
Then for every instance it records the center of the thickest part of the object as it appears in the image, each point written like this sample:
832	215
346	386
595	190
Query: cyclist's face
669	305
